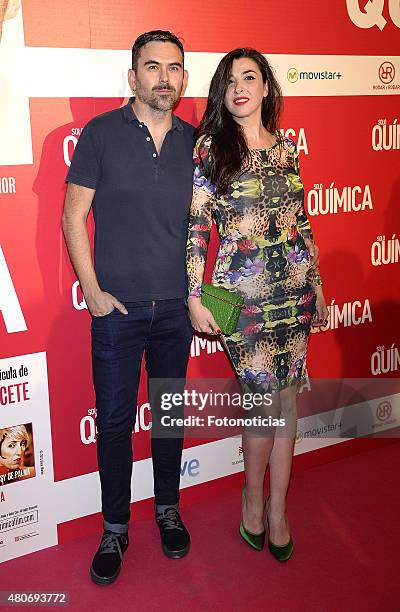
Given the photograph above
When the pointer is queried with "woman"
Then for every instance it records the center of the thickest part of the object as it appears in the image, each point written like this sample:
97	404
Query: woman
13	445
247	177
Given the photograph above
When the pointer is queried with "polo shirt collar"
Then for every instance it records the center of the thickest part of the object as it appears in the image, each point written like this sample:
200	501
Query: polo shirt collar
130	116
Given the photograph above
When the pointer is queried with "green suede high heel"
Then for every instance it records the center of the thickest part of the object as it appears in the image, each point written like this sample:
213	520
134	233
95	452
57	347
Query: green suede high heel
255	540
281	553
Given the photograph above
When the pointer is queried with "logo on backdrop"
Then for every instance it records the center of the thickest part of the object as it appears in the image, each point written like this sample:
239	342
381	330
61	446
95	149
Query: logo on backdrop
385	360
384	415
384	252
386	136
294	75
383	411
322	431
334	199
386	72
190	468
372	14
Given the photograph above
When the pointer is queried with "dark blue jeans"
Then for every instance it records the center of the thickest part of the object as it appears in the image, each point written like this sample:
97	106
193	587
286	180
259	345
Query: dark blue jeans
162	331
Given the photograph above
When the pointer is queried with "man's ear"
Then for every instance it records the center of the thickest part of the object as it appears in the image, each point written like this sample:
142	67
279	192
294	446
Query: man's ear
185	82
132	80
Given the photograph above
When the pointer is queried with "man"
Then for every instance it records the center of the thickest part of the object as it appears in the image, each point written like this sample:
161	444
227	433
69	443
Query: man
134	166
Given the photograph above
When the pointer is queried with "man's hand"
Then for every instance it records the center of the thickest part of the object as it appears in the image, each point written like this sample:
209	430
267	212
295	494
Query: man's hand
201	318
102	303
314	252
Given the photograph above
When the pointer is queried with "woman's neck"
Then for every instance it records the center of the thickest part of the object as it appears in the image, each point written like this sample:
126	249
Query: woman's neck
256	135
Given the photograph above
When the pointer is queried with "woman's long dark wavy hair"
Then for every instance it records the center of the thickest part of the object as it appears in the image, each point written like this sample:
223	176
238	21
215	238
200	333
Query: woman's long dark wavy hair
229	151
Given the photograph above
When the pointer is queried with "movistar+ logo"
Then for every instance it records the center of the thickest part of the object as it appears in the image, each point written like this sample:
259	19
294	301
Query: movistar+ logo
294	75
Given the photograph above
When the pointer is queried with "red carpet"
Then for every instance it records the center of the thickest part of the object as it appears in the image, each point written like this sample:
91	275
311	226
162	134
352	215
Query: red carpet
344	520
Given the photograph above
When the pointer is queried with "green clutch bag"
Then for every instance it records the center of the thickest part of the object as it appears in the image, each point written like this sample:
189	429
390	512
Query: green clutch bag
224	306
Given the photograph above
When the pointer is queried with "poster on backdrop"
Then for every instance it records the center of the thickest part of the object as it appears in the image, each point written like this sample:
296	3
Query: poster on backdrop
26	463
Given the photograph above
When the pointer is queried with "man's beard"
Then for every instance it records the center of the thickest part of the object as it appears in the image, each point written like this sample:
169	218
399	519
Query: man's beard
154	100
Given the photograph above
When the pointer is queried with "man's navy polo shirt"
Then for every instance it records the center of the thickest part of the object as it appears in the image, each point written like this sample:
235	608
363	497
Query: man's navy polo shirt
141	204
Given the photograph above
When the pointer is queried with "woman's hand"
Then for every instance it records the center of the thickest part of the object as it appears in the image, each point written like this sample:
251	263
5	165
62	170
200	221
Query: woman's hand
321	316
201	318
313	249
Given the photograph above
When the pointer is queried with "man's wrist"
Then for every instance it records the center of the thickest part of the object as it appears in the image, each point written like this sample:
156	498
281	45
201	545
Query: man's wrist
90	291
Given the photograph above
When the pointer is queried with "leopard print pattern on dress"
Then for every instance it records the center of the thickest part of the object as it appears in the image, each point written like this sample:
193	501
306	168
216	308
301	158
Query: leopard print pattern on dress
263	256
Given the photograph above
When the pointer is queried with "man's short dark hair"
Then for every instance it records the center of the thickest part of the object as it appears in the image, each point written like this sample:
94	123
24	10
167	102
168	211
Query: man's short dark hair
153	36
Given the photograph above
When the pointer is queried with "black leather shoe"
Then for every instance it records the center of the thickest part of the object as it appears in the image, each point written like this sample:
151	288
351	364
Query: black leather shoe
107	561
175	538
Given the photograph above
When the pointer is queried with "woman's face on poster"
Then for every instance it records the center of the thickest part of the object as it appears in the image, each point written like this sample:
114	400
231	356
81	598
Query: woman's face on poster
12	452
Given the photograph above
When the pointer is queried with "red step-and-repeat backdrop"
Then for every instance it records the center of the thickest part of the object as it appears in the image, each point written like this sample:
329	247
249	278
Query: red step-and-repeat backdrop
63	62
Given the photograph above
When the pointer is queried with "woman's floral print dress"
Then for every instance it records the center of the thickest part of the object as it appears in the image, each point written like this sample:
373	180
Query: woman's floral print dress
262	225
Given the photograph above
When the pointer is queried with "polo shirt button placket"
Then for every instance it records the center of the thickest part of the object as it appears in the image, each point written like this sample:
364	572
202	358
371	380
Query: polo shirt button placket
148	139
